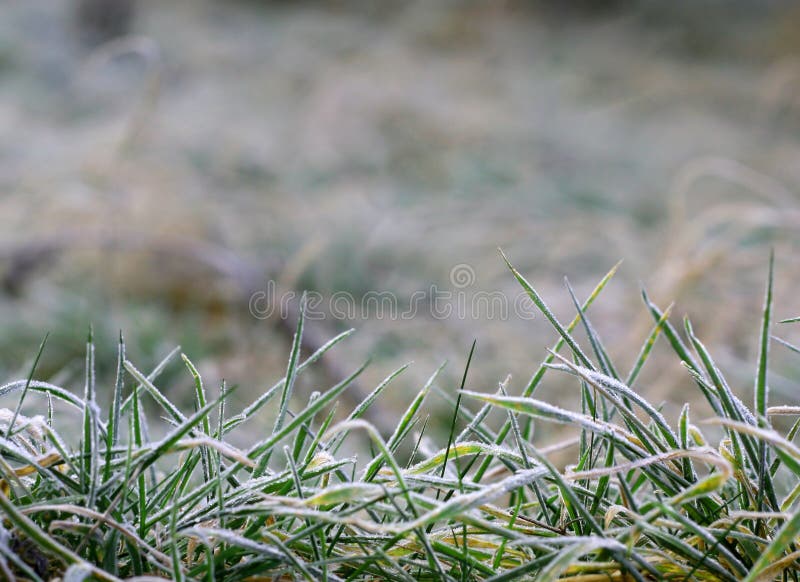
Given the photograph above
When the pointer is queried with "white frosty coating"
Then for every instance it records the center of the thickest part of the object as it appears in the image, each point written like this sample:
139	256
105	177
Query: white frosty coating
595	541
33	425
600	380
707	454
766	434
427	447
57	391
743	410
783	410
468	448
351	492
468	501
434	481
222	447
551	412
207	534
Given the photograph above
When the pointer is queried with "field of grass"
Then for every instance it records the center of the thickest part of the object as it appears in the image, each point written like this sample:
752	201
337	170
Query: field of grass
640	498
182	182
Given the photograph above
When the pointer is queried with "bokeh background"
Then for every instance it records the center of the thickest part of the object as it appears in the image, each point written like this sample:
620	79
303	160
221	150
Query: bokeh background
160	162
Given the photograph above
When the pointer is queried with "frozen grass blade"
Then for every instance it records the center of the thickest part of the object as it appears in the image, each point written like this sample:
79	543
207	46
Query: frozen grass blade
762	386
162	400
540	372
259	403
288	385
647	347
537	377
392	463
152	376
544	410
612	385
594	339
91	413
141	481
539	302
456	410
535	380
200	399
5	388
364	405
112	436
330	396
403	426
672	335
570	554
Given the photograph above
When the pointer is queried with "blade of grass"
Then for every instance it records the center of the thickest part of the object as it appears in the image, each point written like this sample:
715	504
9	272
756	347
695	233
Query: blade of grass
594	339
364	405
539	302
112	436
25	389
200	402
288	385
647	347
405	421
762	386
256	405
457	407
91	447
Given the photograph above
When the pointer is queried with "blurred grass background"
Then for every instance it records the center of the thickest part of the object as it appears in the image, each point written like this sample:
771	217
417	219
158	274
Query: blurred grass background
150	182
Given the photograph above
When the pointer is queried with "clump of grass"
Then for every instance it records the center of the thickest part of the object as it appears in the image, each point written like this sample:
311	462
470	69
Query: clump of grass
644	500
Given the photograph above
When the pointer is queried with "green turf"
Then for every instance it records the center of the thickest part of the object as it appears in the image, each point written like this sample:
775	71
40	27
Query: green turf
641	498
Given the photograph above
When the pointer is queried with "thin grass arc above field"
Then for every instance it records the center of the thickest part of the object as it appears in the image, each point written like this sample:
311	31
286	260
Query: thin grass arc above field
642	499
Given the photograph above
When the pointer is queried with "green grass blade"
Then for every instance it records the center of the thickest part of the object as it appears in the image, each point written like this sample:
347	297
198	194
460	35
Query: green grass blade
647	347
291	367
200	400
364	405
91	446
112	436
27	385
599	350
539	302
330	396
672	334
762	386
457	407
267	395
152	376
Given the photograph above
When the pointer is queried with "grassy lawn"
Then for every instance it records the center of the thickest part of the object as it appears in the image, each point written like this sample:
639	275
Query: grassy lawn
639	498
233	181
